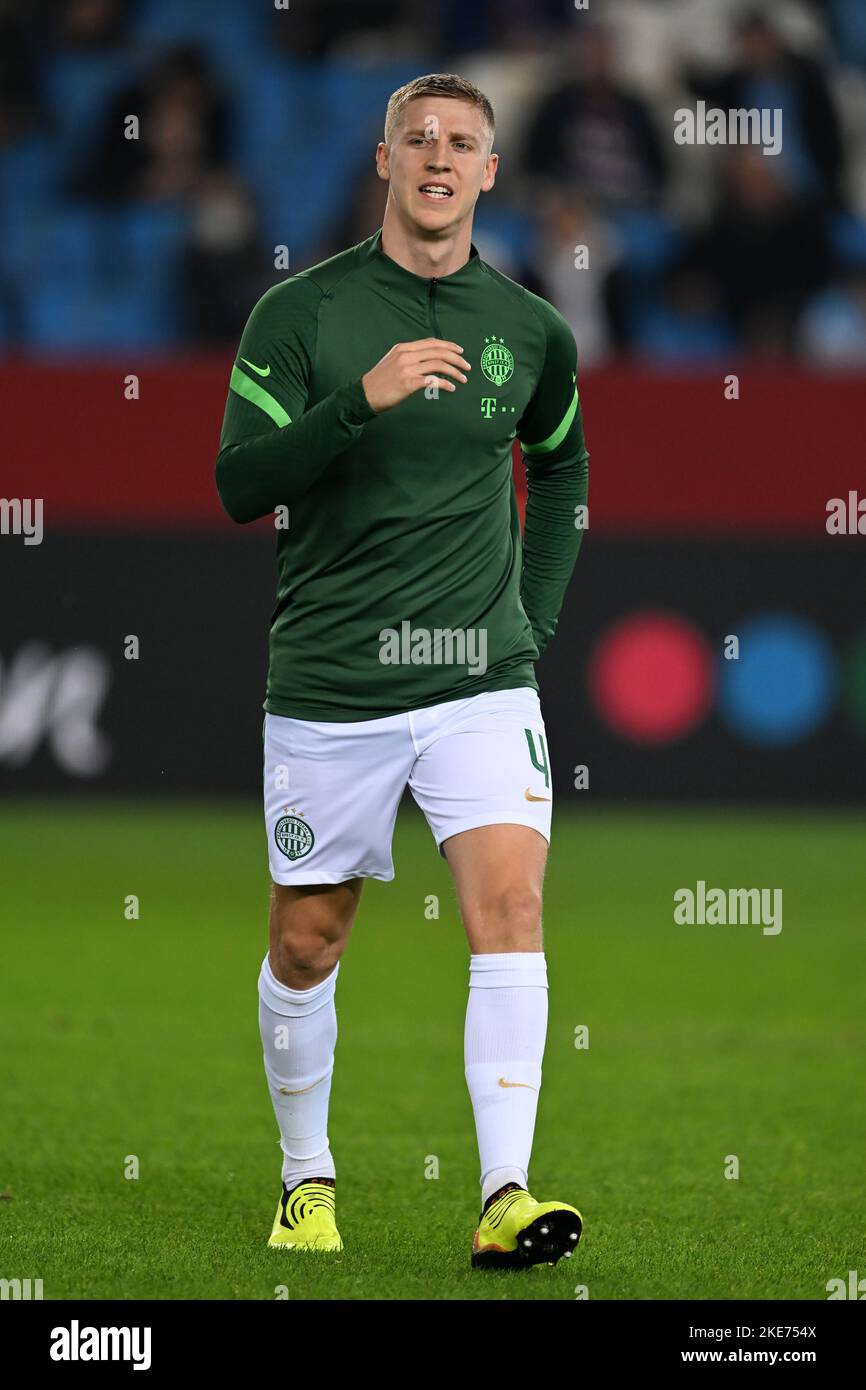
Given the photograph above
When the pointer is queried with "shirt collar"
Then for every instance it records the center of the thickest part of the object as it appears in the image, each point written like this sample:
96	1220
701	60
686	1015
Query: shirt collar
389	269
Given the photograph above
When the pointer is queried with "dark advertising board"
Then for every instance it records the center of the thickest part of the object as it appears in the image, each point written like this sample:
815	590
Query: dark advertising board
706	670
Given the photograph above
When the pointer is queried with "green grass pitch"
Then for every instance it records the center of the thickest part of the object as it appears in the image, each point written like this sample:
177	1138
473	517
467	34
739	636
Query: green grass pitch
140	1038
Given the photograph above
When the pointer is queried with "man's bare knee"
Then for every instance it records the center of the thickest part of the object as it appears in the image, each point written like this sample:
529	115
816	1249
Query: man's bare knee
498	872
505	919
309	927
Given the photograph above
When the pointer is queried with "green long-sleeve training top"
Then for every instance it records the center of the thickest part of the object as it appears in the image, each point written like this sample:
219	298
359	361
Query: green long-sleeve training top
402	578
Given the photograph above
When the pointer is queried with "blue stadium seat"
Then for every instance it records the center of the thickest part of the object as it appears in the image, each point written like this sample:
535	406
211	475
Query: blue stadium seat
516	230
668	339
30	174
275	102
68	242
80	87
150	240
649	241
848	239
67	317
848	24
294	219
280	107
225	30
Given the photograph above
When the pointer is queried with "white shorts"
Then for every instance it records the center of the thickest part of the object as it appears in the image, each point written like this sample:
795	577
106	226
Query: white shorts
332	790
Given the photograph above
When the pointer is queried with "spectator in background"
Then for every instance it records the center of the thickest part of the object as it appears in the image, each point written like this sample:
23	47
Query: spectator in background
380	26
92	24
224	268
592	133
485	25
582	291
767	74
20	112
183	132
763	254
833	331
363	213
679	324
847	20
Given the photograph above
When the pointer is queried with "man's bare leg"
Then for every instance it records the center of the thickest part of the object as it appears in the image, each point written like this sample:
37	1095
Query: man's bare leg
308	927
498	872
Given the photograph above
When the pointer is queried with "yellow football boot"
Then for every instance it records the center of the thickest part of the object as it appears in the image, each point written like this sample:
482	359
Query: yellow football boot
515	1231
305	1217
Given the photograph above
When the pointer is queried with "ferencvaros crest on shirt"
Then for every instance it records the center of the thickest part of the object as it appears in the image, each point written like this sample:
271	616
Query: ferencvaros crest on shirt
497	361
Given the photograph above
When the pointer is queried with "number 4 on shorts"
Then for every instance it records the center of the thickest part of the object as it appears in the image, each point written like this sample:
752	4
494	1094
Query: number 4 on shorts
542	764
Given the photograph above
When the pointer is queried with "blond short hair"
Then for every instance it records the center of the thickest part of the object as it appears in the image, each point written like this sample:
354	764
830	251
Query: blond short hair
437	84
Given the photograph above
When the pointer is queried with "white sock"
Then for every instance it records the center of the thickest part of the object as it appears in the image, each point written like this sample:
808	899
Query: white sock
299	1034
506	1028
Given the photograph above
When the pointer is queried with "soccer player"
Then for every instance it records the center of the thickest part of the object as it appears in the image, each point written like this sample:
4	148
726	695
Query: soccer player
375	398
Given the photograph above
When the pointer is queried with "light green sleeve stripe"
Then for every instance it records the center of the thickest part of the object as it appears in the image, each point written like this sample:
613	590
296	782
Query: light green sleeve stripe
241	384
553	440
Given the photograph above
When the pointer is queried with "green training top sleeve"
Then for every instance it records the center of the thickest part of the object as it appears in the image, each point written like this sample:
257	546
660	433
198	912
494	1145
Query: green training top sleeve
557	477
272	448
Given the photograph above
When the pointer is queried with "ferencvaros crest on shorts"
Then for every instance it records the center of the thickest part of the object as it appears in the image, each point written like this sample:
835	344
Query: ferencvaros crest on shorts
293	836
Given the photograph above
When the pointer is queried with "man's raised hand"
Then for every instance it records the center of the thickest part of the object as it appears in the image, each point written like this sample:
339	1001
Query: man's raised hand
409	366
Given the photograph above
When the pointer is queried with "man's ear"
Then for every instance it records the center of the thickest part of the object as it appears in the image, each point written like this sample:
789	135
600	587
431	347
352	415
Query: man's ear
383	166
490	173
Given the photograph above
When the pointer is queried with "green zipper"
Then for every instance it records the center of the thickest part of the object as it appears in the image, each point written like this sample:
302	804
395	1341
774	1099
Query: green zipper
433	320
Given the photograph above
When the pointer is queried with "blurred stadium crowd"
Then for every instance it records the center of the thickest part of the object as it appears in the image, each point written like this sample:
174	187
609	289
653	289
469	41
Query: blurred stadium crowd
257	130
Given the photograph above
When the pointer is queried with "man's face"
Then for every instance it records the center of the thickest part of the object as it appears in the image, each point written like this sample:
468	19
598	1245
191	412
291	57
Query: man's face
437	164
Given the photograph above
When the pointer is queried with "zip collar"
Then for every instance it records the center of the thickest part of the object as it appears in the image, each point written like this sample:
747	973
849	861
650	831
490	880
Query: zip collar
387	271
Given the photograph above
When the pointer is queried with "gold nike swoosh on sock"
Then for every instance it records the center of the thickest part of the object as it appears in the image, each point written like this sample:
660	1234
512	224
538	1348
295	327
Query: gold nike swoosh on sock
284	1090
529	796
505	1083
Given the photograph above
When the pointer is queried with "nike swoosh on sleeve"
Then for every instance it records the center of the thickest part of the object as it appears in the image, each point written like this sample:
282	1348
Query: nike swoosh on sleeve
260	371
241	384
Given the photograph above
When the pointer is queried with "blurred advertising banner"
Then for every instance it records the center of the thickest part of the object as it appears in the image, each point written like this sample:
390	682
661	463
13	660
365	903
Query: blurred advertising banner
711	670
712	646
